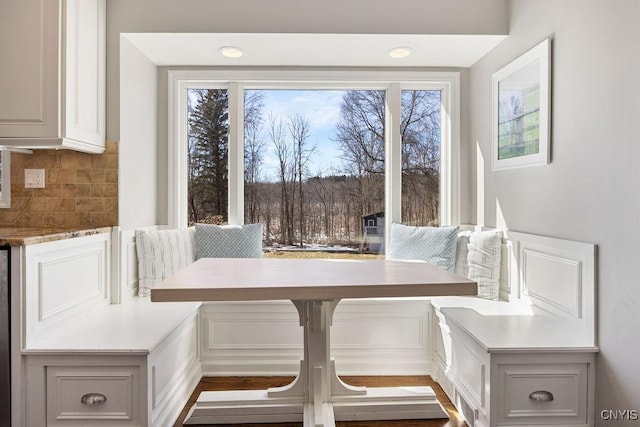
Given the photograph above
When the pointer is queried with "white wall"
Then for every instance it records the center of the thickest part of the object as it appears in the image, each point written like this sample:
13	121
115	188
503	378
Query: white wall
591	190
138	180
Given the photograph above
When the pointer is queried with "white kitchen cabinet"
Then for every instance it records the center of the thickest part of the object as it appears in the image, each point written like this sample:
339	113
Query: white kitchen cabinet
52	74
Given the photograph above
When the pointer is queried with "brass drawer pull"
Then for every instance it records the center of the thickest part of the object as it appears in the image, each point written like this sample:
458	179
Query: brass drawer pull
93	399
541	396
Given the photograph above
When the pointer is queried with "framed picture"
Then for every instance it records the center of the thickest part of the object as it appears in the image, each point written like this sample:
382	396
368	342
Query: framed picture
521	110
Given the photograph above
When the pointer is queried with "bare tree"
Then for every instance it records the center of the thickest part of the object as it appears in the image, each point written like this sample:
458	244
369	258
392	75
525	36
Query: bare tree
360	130
254	145
300	133
360	135
277	136
420	128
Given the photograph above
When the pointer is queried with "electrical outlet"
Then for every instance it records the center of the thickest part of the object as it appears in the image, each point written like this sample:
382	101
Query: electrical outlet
34	178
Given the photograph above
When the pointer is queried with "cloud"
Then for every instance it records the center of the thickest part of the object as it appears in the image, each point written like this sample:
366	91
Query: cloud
320	107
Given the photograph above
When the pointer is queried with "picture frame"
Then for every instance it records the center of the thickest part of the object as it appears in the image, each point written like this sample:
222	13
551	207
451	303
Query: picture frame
522	110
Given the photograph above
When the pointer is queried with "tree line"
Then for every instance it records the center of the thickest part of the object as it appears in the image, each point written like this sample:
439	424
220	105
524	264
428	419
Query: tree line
298	204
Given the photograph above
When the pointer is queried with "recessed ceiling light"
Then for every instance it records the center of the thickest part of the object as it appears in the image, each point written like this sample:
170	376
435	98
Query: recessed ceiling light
400	52
231	51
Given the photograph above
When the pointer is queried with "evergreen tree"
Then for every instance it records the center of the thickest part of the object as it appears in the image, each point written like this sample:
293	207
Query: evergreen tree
208	153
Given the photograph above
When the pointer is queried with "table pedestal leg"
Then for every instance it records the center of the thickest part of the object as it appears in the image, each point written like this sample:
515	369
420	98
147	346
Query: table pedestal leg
317	380
317	397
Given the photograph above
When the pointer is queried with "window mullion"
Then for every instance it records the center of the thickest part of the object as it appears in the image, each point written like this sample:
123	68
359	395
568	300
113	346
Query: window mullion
450	154
236	153
178	169
393	160
5	193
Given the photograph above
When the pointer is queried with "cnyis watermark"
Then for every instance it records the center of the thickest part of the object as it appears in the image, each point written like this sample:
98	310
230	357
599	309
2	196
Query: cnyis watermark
619	414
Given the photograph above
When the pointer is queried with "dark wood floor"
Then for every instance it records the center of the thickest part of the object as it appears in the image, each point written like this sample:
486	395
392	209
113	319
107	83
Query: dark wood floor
260	383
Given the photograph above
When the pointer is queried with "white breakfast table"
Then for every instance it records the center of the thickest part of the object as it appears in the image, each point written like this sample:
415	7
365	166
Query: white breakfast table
317	397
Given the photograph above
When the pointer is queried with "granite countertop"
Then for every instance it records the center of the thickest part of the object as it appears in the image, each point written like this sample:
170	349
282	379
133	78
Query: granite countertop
10	236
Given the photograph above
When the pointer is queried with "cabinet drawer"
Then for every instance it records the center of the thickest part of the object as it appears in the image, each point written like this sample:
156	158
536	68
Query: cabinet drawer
80	396
542	394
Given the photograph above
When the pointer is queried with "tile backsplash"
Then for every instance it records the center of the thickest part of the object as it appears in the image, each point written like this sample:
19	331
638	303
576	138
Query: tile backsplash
81	190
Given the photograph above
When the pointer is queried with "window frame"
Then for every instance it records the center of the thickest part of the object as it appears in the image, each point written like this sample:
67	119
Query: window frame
5	194
393	82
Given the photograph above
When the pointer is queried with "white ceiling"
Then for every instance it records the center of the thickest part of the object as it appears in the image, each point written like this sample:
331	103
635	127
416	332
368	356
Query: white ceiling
340	50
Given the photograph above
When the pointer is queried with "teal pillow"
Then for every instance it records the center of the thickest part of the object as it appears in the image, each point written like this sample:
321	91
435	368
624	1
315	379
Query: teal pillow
228	241
436	245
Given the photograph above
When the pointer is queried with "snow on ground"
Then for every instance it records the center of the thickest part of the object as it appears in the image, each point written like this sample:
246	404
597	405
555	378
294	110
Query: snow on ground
313	247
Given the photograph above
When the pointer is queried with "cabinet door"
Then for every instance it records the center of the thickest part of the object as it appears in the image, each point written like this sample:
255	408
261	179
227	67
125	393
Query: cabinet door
29	48
84	96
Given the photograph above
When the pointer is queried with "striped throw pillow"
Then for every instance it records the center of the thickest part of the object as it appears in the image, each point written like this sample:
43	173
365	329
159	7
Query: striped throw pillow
483	259
161	253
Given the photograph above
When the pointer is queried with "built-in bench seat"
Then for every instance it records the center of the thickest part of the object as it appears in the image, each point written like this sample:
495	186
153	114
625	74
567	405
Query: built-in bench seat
136	326
528	359
88	355
497	360
508	326
129	364
491	357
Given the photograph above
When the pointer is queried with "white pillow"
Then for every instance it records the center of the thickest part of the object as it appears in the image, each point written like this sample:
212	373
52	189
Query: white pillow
462	266
228	241
483	261
436	245
161	253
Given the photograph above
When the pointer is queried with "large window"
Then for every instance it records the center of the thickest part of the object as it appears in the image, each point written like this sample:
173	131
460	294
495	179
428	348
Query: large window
314	167
322	164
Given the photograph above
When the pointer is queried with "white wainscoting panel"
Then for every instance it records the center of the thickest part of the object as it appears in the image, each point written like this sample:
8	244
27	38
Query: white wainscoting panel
558	277
390	336
442	352
63	280
57	284
177	355
382	336
538	266
174	372
470	368
250	338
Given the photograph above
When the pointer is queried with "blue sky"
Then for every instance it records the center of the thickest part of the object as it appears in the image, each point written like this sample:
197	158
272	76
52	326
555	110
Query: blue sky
321	108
